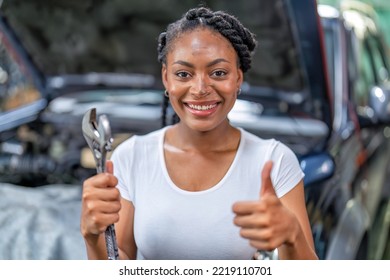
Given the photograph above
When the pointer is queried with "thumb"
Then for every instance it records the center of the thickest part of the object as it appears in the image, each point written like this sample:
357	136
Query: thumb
267	187
109	167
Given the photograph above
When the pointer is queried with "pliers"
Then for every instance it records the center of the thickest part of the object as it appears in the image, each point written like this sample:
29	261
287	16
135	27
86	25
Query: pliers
98	137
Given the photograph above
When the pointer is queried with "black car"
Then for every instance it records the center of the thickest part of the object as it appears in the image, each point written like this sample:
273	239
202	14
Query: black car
59	59
349	209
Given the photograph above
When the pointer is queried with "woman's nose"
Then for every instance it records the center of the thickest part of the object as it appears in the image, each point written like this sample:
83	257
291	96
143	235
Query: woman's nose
200	87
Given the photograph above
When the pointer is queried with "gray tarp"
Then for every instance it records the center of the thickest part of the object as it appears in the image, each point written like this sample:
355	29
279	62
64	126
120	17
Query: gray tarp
40	223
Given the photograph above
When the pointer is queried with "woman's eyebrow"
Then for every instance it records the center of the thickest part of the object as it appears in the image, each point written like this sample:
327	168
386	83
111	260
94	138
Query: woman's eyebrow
184	63
212	63
216	61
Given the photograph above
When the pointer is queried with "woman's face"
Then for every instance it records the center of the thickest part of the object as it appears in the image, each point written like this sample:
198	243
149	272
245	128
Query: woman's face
202	78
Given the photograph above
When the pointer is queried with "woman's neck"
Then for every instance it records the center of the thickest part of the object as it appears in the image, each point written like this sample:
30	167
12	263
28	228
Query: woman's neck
223	138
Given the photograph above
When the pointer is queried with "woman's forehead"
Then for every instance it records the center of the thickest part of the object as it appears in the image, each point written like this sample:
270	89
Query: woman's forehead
201	41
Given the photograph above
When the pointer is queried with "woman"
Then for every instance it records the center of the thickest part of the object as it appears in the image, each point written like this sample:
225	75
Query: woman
200	189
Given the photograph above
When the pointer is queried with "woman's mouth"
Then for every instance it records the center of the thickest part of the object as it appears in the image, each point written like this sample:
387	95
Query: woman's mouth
202	109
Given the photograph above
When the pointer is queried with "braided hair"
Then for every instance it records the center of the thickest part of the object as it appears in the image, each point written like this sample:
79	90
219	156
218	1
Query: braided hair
242	40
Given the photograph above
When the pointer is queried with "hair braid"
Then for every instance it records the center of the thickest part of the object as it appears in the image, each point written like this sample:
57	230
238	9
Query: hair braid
241	39
196	13
164	110
162	41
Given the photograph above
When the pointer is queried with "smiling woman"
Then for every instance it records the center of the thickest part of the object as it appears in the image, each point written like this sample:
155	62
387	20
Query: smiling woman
251	197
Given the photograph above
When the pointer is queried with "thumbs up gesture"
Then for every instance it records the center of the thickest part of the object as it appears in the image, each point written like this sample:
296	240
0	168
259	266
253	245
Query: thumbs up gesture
265	222
267	189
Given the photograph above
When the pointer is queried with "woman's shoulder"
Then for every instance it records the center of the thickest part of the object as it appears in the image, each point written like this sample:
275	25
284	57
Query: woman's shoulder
269	144
254	139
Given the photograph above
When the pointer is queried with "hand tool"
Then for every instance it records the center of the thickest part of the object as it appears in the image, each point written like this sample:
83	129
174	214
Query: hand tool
266	255
98	136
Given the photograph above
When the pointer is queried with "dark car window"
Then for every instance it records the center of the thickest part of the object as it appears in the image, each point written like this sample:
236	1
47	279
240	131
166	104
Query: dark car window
368	56
16	87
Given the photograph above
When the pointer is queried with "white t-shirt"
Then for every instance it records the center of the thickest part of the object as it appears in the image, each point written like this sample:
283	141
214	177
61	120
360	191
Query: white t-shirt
171	223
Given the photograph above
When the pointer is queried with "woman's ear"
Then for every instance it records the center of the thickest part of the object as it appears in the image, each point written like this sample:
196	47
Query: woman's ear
164	74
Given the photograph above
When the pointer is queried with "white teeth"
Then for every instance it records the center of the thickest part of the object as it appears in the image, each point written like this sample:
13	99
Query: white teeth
202	107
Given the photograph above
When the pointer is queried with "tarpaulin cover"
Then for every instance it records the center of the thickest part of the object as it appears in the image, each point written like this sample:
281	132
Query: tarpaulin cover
40	223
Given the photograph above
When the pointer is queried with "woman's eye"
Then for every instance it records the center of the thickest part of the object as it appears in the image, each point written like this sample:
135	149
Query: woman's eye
182	74
219	73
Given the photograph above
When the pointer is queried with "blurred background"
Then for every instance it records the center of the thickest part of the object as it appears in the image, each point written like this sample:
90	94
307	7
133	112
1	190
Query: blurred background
381	7
319	83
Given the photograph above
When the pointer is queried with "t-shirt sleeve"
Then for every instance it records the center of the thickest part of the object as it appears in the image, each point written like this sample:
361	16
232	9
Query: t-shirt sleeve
122	160
286	172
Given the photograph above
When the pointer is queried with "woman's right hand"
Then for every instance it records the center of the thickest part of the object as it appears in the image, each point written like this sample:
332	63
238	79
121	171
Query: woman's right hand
100	203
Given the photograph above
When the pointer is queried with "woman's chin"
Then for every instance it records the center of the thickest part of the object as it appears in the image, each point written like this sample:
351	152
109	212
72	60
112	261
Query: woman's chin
202	125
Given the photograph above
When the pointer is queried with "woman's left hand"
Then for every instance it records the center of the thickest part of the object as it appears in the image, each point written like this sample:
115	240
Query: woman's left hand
266	222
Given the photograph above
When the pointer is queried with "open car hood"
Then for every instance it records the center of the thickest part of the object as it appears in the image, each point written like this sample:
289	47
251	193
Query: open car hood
70	44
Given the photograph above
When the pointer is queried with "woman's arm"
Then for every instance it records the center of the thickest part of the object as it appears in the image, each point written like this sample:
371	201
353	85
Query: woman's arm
271	222
301	245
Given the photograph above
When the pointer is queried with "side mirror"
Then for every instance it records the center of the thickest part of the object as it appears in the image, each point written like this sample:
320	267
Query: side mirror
379	101
317	168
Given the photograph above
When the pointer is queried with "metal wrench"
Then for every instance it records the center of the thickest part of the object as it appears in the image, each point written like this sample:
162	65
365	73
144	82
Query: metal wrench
266	255
98	137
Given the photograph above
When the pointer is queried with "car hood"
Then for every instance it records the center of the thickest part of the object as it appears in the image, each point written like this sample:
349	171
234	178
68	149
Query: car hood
79	37
74	44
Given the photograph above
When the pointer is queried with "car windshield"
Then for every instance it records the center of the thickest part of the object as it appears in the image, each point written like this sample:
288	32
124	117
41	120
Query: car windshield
121	36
